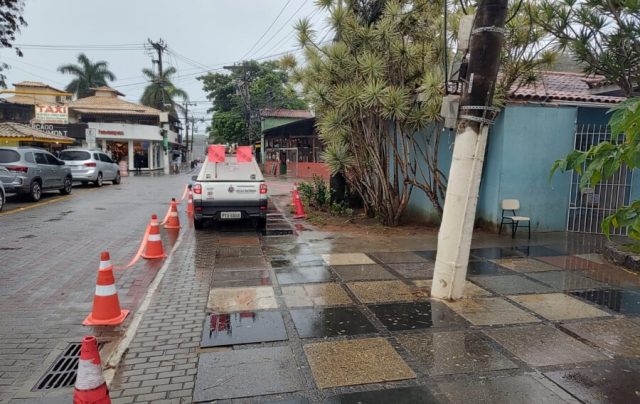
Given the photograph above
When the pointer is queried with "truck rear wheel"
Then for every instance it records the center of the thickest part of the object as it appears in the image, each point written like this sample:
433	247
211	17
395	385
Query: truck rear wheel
198	224
262	223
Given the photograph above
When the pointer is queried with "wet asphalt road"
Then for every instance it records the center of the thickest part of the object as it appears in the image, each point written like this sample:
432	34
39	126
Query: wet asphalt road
49	255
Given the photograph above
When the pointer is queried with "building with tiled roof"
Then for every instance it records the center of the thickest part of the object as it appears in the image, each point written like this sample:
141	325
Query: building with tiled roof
35	92
285	113
566	87
107	101
17	133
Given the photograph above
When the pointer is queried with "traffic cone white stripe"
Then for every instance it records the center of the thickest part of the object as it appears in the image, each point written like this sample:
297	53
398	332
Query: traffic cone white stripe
92	375
105	290
154	237
173	214
104	264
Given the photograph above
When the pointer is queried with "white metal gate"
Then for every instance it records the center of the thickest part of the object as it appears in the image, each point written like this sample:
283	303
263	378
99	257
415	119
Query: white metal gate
589	206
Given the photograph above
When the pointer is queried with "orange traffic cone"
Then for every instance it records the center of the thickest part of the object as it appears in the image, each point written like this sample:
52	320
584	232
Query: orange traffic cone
190	203
154	248
106	305
90	386
298	204
174	221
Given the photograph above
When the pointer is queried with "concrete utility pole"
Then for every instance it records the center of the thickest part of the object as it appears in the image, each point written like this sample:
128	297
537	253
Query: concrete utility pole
160	47
186	127
476	113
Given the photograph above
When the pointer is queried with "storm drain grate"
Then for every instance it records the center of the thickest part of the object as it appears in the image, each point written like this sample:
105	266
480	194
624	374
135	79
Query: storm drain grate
62	373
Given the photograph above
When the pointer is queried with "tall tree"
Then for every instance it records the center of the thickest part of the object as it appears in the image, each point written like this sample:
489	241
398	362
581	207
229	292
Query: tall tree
602	35
10	22
238	97
161	92
88	75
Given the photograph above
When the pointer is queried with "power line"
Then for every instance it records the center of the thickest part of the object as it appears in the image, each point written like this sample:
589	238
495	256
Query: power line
268	29
285	23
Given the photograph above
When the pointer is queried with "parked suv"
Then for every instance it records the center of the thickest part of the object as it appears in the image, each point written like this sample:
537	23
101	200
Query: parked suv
36	170
6	177
89	165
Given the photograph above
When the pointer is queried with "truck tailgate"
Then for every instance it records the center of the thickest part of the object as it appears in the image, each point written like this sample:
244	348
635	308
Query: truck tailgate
230	191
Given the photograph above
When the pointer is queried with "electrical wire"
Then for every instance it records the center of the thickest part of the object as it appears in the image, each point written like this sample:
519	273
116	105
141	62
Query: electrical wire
285	23
268	29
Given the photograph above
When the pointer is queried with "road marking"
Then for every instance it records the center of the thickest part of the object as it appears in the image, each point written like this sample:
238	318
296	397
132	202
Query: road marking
37	205
113	361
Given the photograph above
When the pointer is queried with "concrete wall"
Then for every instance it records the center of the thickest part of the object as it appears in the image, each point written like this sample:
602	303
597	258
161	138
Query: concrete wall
523	145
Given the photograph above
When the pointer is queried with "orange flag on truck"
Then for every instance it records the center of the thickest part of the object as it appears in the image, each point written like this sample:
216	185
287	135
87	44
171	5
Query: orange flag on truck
244	154
215	154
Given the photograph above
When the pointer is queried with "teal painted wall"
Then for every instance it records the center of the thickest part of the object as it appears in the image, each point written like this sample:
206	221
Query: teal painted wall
523	145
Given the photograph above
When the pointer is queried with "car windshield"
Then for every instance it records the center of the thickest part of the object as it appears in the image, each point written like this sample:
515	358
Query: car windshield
75	155
9	156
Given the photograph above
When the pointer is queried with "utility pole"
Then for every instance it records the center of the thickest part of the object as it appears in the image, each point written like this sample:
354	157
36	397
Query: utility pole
242	88
186	127
476	114
160	46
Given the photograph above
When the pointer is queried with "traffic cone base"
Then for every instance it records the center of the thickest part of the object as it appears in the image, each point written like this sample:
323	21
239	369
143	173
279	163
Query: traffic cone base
90	320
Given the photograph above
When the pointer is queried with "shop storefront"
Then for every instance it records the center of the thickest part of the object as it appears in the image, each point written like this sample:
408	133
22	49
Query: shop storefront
139	146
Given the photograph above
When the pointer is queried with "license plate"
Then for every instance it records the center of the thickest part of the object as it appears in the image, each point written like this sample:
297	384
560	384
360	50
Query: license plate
230	215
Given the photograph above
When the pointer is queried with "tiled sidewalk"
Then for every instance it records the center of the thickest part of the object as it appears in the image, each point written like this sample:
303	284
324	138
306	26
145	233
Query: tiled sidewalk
539	324
242	317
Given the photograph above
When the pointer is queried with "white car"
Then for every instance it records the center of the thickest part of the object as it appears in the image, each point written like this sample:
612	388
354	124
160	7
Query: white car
91	166
229	190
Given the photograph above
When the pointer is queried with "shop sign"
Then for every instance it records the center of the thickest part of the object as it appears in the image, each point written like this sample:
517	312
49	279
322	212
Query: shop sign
90	137
47	113
104	132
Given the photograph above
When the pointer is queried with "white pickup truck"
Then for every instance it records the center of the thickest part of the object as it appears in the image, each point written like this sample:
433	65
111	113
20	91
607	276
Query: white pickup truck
229	190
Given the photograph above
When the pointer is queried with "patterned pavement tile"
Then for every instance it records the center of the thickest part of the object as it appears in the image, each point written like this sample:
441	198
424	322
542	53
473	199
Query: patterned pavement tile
358	361
416	315
414	270
315	294
454	352
558	306
470	288
362	272
402	395
384	291
330	322
510	284
491	311
242	328
619	335
398	257
567	280
347	259
525	265
226	300
543	345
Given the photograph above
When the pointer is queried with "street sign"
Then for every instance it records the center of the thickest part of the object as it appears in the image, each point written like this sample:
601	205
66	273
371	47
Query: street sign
90	137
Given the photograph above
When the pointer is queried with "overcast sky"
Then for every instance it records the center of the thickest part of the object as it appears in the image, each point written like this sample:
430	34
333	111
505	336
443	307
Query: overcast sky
200	34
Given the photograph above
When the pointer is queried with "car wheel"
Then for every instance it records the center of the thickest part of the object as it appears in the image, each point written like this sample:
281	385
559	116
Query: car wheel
262	223
35	192
98	181
198	224
67	186
117	180
2	200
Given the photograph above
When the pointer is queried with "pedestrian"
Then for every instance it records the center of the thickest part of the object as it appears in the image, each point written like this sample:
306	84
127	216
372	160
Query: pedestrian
137	162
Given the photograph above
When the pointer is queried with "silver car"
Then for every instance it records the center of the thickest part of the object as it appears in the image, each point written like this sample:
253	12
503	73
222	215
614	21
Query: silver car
6	177
35	170
88	165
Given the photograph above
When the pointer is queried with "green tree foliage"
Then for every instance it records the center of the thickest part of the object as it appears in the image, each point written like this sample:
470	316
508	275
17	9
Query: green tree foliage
87	75
10	22
605	159
161	93
236	117
602	35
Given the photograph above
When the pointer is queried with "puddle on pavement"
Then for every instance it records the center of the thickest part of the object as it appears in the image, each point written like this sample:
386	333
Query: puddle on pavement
418	315
276	232
415	270
444	353
620	335
315	294
235	264
280	263
290	275
100	208
223	252
611	382
242	328
540	251
620	301
330	322
397	257
558	306
403	395
567	280
28	236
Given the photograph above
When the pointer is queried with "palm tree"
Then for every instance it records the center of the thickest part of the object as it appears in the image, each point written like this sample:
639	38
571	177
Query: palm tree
87	74
161	90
